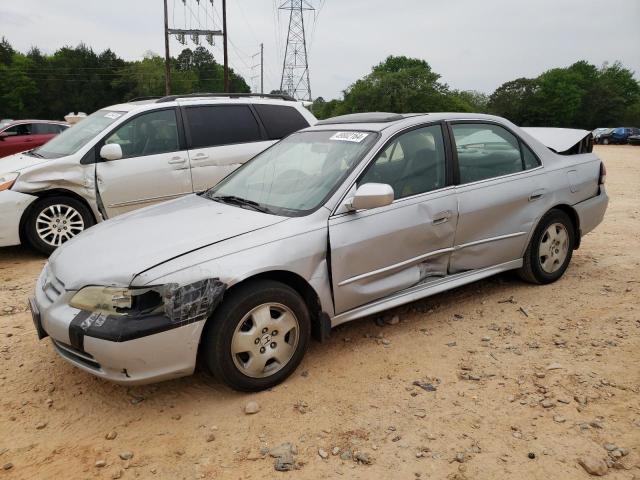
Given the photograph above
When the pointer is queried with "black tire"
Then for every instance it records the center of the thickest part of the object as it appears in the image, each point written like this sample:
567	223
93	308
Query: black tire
532	270
31	229
217	337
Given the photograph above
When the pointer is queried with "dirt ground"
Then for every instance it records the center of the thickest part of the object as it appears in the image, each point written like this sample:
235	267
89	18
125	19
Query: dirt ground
527	380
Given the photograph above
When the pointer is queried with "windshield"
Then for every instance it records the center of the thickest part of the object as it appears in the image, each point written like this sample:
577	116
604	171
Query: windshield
75	137
296	175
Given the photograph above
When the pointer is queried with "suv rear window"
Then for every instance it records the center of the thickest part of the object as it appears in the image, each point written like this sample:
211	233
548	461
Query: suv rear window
280	120
221	125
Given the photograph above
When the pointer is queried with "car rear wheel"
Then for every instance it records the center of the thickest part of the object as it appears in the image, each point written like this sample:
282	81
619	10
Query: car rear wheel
605	141
257	337
53	221
550	249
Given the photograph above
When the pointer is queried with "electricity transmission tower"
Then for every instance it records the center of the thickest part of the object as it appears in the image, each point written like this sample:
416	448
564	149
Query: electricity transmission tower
295	66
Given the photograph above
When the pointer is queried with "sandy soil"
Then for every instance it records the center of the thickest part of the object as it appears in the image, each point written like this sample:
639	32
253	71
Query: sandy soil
486	348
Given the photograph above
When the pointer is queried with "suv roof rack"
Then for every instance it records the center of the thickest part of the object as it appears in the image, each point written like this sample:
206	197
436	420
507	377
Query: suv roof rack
368	117
171	98
140	99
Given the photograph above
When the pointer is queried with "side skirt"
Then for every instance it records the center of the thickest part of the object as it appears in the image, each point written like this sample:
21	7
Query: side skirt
423	290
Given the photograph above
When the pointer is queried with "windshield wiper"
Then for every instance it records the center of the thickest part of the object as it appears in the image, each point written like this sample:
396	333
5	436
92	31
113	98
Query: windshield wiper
241	202
35	154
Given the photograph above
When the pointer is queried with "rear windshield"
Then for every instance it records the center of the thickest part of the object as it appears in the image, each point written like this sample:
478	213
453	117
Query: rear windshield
75	137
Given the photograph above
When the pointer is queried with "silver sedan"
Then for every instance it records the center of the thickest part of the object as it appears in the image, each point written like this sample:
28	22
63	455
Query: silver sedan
346	219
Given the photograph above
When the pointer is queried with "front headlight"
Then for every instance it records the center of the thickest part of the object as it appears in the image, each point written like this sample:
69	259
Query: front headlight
7	180
180	303
118	301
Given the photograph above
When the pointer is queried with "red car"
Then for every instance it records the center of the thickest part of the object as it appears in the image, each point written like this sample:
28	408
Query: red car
21	135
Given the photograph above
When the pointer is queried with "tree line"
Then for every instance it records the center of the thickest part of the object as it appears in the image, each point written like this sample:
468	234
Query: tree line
35	85
582	95
579	96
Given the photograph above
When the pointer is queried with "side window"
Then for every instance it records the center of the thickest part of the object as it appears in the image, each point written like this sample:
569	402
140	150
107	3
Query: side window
279	120
222	125
413	163
148	134
46	128
486	151
20	129
529	158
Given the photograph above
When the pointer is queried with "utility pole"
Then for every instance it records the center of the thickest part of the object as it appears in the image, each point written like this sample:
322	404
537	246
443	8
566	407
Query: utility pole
195	34
226	58
295	65
167	58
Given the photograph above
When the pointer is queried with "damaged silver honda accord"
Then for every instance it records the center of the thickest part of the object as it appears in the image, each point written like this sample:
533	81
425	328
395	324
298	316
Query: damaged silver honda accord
356	215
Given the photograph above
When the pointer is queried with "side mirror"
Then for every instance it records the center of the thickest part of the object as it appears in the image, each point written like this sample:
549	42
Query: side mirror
111	151
371	195
4	135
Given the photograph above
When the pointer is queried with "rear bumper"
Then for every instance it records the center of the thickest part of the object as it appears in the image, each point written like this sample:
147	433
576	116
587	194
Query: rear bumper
12	206
150	358
591	211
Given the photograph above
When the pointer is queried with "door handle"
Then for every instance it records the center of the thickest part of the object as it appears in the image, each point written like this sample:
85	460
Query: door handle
176	160
442	217
538	194
201	156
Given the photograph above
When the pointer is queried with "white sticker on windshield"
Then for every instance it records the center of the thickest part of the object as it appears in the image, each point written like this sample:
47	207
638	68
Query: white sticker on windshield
356	137
113	115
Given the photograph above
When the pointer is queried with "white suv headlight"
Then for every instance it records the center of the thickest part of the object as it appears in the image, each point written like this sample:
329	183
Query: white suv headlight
7	180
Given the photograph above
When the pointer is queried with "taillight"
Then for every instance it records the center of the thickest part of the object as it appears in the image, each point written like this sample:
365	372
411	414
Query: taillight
603	174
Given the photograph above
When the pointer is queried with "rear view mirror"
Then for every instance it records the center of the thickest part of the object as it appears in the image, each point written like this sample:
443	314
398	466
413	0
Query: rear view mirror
3	135
111	151
371	195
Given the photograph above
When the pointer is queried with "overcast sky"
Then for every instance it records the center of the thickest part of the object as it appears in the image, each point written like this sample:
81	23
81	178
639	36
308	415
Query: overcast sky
473	44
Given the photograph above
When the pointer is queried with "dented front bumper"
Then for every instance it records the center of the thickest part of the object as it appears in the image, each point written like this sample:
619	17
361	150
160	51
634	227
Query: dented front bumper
12	207
123	349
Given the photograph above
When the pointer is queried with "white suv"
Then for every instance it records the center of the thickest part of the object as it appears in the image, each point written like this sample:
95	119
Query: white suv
132	155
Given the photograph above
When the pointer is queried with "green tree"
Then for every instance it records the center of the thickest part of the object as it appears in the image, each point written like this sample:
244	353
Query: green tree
16	87
578	96
511	100
401	84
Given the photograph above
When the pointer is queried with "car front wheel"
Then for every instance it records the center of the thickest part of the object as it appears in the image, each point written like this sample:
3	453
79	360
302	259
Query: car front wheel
549	252
258	335
54	220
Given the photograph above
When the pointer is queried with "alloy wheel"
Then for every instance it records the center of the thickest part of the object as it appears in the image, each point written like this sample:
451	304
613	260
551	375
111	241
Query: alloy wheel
265	340
58	223
554	247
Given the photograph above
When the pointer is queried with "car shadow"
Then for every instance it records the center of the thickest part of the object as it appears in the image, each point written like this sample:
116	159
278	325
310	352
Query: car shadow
20	253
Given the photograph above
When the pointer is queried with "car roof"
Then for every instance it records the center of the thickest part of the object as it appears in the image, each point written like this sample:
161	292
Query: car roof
379	121
201	98
33	120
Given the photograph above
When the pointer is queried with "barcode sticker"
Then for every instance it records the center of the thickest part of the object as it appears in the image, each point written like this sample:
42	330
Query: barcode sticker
356	137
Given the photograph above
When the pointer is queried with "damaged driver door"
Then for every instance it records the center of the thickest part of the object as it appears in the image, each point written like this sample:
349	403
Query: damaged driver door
378	252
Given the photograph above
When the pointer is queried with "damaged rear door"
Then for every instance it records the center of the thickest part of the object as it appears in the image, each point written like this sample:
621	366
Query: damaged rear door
378	252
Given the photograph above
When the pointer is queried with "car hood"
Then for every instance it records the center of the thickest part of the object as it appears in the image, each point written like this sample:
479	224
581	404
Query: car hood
18	162
115	251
